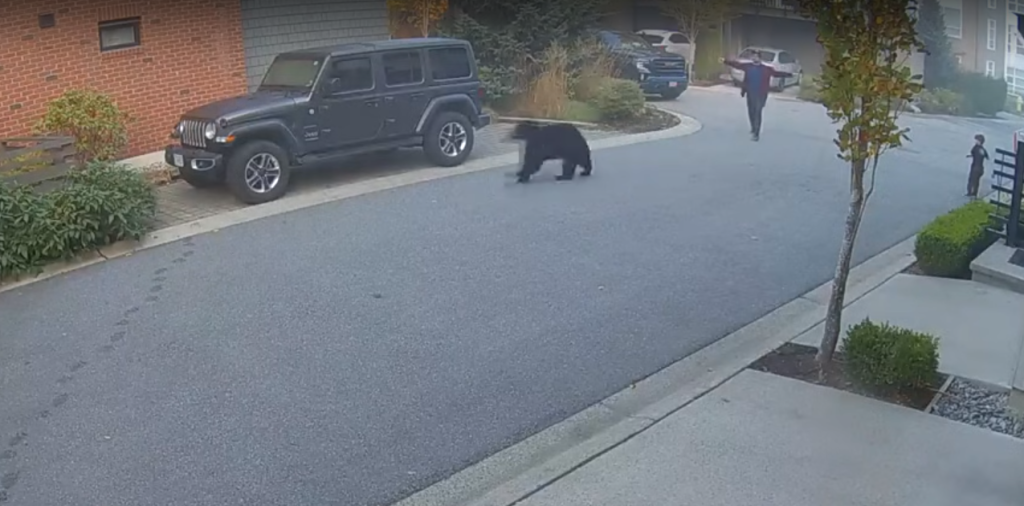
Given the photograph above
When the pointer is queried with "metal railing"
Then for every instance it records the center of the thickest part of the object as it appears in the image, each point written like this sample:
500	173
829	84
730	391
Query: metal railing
1008	189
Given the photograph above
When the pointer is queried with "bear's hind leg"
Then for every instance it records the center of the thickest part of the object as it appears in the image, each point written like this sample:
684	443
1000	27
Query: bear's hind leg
568	171
587	167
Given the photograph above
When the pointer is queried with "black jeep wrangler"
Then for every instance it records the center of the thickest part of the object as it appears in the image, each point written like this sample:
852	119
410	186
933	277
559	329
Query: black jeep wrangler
319	104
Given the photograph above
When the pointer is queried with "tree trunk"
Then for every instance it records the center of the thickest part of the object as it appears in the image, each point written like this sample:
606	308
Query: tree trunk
425	23
691	62
834	314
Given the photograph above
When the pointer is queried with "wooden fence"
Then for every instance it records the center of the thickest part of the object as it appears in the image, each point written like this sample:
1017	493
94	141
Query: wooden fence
40	162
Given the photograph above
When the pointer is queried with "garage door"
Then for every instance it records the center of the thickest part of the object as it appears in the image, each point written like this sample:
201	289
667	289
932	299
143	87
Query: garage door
270	27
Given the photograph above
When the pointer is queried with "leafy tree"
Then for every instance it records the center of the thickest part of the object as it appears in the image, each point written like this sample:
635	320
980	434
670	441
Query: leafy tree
507	33
864	84
419	13
695	16
940	69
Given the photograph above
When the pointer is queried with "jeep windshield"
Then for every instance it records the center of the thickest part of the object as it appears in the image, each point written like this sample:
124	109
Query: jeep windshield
626	41
291	73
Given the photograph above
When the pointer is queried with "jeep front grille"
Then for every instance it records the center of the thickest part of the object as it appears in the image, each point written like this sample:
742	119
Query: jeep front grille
192	133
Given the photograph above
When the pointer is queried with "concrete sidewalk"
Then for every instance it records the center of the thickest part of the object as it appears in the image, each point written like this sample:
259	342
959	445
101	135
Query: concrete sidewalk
771	441
979	327
768	440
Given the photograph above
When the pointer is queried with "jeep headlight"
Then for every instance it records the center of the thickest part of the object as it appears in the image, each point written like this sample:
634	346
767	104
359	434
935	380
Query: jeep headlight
210	131
641	65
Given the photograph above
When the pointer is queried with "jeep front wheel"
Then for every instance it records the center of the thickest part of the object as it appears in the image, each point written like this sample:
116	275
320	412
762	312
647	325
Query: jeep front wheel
258	172
449	139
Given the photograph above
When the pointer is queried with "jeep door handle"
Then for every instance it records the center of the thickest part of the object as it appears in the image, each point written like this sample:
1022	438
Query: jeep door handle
372	103
416	96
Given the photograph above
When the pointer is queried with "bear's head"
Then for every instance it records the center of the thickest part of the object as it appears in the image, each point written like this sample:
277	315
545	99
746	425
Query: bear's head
525	130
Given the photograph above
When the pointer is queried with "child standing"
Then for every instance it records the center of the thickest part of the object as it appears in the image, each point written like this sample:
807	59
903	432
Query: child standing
978	156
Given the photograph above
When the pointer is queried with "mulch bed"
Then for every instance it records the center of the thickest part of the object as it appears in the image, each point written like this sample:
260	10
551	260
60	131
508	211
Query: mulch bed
797	361
914	269
651	120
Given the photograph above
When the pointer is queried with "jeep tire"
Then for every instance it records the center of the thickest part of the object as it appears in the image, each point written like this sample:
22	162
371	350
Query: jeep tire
258	172
449	139
202	179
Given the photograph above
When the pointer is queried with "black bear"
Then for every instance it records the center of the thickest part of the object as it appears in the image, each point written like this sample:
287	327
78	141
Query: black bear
552	142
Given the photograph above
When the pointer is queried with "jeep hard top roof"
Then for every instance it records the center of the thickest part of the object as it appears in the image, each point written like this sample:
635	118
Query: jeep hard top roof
354	48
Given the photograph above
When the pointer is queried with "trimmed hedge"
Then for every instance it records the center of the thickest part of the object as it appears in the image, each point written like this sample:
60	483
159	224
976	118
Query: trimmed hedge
947	246
99	205
886	357
982	94
941	101
809	89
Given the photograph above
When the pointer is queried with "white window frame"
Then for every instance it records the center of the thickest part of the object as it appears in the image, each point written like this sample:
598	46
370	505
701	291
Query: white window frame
954	31
959	59
1014	42
993	34
990	68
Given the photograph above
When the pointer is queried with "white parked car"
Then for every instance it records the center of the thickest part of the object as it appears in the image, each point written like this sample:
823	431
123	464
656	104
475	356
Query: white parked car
779	59
673	42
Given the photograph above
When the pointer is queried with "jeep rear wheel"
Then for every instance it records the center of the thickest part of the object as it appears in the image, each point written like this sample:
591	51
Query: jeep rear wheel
202	179
258	172
449	139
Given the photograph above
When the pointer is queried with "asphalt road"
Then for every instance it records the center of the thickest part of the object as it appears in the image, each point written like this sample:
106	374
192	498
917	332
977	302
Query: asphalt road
355	352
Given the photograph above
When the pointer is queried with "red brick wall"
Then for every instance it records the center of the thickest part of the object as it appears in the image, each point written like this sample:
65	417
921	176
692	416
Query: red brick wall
191	53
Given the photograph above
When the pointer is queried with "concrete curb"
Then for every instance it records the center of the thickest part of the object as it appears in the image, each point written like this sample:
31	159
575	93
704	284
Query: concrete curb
520	471
517	119
686	126
939	394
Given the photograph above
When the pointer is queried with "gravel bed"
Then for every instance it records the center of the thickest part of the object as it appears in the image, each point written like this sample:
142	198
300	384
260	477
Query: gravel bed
968	403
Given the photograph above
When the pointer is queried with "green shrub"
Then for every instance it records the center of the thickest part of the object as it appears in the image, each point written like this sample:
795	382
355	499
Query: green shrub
498	83
886	357
619	99
941	101
581	111
99	205
99	127
946	246
809	90
982	94
1011	103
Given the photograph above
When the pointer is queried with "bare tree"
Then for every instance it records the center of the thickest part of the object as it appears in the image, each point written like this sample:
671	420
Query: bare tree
695	16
